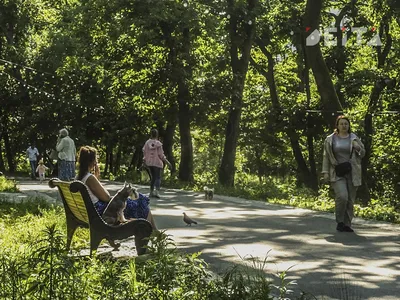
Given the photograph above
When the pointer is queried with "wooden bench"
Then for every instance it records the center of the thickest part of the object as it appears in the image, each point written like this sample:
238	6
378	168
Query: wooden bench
80	212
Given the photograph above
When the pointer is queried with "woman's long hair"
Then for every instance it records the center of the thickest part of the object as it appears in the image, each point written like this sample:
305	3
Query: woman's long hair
87	156
341	117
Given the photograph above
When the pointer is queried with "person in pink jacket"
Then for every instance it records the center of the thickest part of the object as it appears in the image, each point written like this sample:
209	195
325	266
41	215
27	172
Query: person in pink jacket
154	159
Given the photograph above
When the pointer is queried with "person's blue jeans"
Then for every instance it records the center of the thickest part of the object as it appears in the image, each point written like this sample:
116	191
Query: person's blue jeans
33	168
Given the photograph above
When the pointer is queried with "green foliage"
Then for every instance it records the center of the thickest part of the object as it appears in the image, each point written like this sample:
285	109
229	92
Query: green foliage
252	281
305	198
325	202
51	264
271	189
168	274
378	211
21	223
7	185
13	275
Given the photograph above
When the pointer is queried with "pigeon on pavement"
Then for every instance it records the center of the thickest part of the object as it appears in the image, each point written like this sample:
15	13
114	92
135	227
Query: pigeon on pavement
188	220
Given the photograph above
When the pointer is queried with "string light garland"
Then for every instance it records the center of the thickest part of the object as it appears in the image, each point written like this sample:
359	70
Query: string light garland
7	62
70	82
24	83
335	112
341	112
43	73
50	95
28	86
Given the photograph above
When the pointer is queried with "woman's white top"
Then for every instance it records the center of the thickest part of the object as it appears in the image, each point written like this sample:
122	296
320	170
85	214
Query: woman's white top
92	196
66	149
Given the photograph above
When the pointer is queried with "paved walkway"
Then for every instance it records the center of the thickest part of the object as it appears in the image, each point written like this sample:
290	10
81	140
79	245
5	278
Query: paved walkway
361	265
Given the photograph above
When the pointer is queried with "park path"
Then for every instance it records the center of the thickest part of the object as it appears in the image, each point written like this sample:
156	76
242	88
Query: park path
326	263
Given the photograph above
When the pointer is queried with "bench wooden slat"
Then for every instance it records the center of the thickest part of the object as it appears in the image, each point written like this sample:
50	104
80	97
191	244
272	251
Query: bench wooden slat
75	203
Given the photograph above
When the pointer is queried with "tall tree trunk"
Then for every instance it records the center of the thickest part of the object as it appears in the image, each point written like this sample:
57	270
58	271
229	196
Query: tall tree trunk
339	53
226	172
137	158
182	75
184	99
304	175
133	162
168	141
2	166
379	85
326	89
364	192
109	160
9	152
118	160
310	122
186	164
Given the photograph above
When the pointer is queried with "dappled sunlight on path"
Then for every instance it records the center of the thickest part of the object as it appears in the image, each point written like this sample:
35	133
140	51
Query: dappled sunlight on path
319	258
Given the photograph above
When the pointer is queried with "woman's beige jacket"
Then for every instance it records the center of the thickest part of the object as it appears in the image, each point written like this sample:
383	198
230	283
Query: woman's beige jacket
329	161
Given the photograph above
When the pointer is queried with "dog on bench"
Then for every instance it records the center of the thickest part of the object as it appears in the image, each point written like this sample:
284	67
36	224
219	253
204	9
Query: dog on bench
114	212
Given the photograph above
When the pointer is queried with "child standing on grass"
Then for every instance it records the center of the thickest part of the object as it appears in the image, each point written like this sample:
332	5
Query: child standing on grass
41	169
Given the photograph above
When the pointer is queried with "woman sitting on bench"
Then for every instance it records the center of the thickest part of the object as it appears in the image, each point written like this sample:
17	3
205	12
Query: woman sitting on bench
138	208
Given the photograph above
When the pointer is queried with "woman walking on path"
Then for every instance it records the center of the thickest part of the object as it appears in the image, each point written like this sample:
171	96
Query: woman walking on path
343	148
154	159
66	156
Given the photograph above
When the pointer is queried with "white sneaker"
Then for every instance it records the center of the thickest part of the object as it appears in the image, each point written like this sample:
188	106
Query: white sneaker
156	194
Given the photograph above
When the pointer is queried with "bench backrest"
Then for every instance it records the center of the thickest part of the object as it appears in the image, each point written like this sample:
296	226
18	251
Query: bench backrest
75	201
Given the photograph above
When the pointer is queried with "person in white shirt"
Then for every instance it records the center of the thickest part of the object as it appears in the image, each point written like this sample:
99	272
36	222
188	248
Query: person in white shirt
32	153
66	156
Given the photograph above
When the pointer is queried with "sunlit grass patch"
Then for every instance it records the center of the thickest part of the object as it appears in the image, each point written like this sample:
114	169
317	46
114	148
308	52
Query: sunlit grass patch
22	222
7	185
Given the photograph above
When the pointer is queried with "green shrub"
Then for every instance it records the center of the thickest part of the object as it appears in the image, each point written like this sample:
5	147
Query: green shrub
378	211
169	274
21	223
7	185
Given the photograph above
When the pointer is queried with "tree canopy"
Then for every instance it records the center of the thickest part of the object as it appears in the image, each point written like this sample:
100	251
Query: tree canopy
235	87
